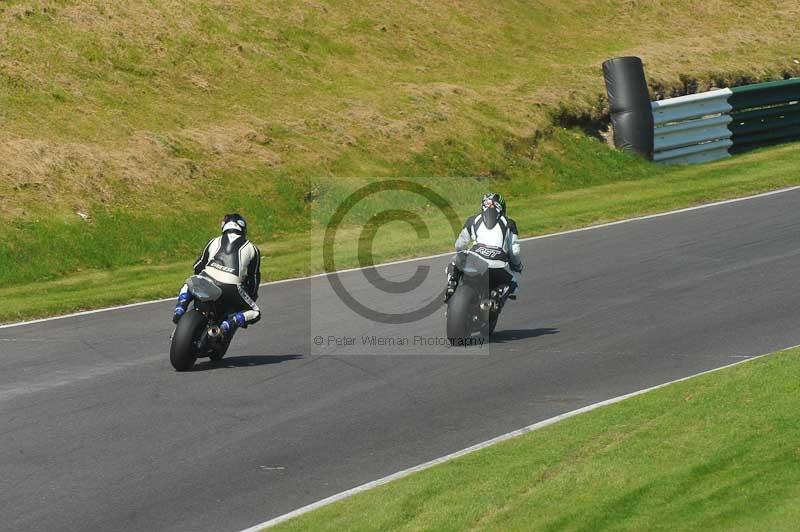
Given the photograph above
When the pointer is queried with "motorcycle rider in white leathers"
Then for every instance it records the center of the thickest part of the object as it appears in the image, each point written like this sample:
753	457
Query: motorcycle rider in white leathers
490	229
234	263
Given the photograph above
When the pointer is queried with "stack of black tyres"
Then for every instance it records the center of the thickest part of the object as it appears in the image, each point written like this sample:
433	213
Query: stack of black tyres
629	99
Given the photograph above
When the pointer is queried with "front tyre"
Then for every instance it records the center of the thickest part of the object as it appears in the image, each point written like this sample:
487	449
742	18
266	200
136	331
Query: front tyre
183	351
459	314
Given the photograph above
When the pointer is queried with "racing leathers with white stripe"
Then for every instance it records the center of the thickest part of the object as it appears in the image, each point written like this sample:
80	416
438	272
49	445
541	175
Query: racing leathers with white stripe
234	261
502	236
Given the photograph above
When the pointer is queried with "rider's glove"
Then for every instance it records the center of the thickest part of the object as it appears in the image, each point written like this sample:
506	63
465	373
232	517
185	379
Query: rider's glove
516	267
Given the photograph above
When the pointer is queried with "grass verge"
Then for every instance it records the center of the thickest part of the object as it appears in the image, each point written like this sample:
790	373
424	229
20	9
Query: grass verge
122	145
717	452
646	189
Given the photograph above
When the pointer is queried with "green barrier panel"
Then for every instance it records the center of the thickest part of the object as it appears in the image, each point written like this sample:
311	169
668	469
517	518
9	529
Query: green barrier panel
736	150
764	94
765	138
757	126
771	134
766	112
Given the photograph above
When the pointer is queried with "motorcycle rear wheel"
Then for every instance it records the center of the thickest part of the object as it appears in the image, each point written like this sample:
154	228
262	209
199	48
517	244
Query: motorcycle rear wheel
219	352
182	352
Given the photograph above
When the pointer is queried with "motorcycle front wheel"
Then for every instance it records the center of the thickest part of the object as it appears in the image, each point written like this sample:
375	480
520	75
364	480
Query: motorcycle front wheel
488	328
459	314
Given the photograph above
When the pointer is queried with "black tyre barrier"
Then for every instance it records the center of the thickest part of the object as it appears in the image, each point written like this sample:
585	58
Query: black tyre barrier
631	114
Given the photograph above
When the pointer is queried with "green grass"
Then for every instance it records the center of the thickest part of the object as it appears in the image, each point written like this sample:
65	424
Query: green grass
636	189
155	118
147	107
346	68
717	452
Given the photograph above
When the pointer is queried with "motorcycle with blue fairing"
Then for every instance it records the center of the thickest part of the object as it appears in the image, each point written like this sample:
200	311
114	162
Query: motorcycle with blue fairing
198	333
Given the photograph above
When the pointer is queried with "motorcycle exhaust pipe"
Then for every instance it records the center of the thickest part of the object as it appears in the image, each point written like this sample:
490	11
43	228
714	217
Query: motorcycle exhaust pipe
214	331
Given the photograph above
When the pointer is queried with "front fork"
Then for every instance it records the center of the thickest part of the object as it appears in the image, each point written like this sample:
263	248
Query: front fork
497	299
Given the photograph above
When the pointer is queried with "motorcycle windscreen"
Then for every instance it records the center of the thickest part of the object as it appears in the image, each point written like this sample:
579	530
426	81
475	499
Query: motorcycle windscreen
471	264
481	272
475	272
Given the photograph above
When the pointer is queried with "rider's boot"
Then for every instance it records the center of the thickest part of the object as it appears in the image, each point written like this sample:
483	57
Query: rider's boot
512	290
452	282
184	298
230	325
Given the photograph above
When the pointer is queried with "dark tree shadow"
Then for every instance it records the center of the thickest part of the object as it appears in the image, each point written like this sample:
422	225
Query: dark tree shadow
243	361
512	335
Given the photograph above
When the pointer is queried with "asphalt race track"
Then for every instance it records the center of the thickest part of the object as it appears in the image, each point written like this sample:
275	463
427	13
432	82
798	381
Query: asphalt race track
97	432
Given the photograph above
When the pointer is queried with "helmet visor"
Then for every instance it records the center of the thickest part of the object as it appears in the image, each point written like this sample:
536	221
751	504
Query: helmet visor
490	203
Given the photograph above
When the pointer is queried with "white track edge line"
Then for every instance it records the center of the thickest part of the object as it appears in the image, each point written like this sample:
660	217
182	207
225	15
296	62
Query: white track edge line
539	237
509	435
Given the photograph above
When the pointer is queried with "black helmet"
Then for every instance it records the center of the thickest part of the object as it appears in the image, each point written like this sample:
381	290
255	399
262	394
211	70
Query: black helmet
234	223
493	200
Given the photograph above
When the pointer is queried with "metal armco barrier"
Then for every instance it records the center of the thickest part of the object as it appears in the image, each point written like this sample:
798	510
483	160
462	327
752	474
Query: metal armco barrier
693	128
712	125
764	114
698	127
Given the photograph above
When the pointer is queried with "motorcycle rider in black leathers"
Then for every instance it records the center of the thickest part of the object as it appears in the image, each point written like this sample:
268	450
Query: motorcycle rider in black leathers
234	263
491	229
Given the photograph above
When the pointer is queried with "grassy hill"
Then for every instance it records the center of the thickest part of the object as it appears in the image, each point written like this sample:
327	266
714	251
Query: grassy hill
128	128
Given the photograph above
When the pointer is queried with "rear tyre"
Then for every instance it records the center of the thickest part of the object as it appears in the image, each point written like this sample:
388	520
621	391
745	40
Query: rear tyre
459	315
217	354
182	353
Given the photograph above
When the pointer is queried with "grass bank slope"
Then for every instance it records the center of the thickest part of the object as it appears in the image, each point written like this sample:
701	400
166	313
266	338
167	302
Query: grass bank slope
113	103
718	452
615	187
128	128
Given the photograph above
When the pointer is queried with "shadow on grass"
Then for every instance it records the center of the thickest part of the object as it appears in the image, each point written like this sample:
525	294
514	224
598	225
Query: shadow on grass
244	361
511	335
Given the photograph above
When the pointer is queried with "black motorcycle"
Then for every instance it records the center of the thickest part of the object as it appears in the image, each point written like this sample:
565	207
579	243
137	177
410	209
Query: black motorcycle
481	294
198	334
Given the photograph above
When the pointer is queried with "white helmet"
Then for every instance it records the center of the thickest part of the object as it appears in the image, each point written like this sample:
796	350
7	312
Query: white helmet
234	223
